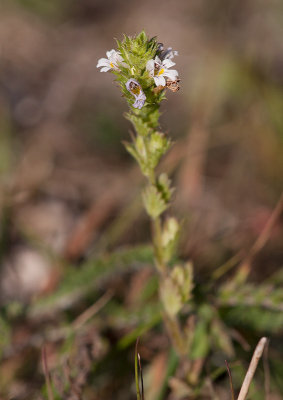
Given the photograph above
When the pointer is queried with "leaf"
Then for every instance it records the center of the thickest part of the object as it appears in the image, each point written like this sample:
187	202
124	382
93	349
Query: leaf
254	318
78	283
153	202
171	297
201	344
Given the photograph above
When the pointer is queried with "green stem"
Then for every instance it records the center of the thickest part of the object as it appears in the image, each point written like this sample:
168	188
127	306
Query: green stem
157	242
175	333
172	323
137	372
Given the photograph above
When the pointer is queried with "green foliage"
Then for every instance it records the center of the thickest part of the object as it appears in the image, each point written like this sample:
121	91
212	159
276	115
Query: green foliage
201	342
258	307
5	333
254	318
182	276
153	202
158	145
136	52
147	150
151	316
49	9
212	311
171	297
220	337
169	237
143	126
137	375
80	282
164	187
5	145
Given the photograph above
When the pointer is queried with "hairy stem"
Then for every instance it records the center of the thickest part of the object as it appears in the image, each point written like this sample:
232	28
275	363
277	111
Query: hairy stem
156	233
172	323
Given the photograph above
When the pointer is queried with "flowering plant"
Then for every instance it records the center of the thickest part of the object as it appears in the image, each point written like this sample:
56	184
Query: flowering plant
143	70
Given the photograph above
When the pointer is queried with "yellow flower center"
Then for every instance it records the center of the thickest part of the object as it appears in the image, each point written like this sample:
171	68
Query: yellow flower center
111	65
136	90
161	71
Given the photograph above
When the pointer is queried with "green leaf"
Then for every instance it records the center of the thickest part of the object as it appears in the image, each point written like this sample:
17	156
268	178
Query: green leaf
201	343
153	202
171	297
254	318
78	283
164	187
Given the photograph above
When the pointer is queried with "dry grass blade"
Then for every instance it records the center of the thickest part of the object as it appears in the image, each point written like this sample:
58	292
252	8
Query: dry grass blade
266	372
137	371
140	367
252	368
46	374
230	381
92	310
245	266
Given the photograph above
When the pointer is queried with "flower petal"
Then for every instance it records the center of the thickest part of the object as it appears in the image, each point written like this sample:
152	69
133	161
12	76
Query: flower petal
129	84
139	103
105	69
159	80
168	63
150	67
111	53
118	58
157	60
168	53
135	89
171	74
103	62
123	64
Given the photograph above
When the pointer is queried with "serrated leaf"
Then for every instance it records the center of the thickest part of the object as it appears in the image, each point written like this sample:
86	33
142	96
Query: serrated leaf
78	283
170	297
153	202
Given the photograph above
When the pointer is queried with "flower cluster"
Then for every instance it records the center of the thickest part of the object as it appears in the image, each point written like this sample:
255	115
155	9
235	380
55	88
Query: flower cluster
141	65
143	69
159	70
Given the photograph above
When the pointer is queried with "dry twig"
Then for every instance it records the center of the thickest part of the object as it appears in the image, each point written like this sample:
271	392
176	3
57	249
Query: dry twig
245	266
92	310
230	381
252	367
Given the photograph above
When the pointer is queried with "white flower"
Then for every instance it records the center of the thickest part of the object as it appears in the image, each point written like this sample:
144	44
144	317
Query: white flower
112	62
135	88
159	70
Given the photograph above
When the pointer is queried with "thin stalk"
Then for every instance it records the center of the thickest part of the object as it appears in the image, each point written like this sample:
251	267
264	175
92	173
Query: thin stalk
252	368
157	243
137	372
174	330
172	323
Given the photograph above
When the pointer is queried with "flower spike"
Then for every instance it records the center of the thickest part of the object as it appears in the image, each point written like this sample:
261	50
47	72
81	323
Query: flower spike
142	68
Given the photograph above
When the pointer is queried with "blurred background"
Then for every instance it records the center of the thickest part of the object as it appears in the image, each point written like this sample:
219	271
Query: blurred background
69	192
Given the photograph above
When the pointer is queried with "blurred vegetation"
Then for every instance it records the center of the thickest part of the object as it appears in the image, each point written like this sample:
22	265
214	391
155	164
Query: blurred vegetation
77	275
